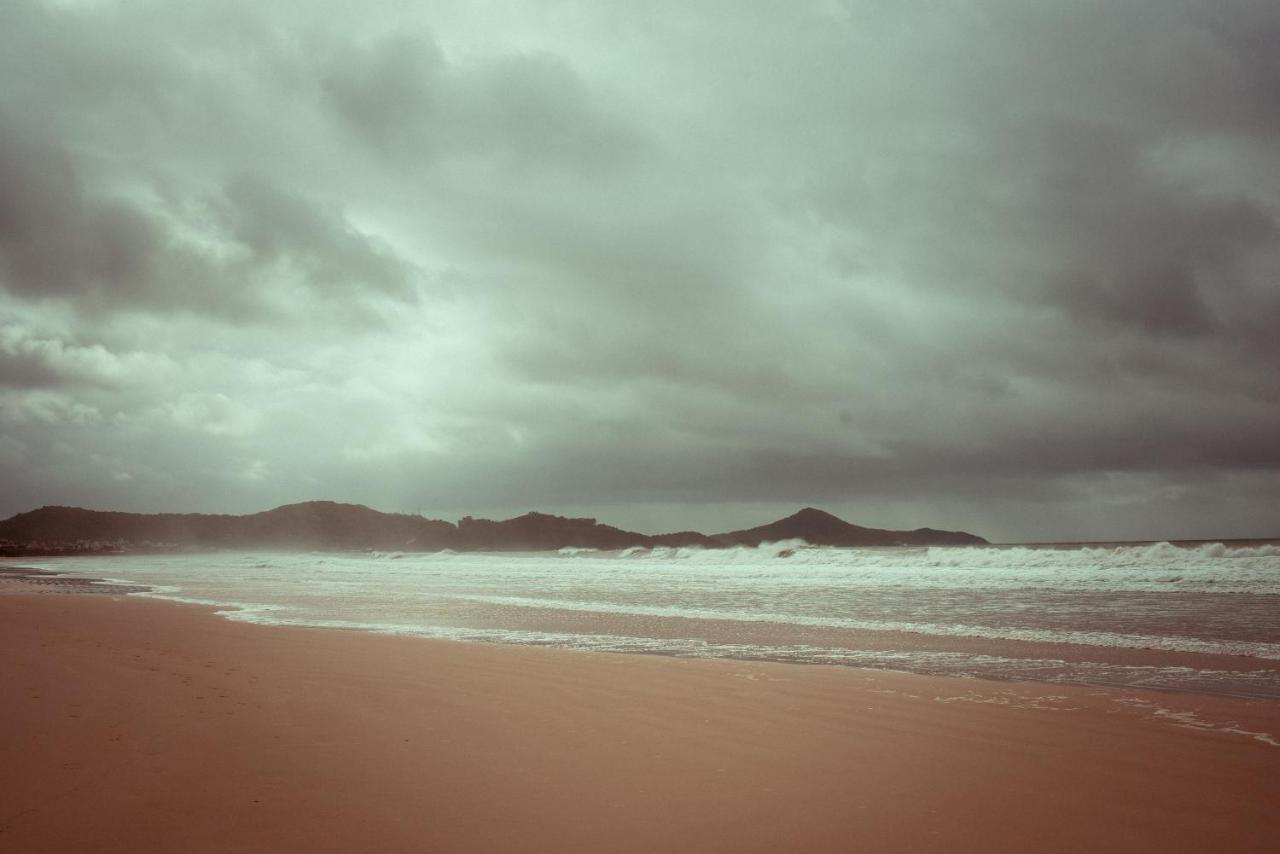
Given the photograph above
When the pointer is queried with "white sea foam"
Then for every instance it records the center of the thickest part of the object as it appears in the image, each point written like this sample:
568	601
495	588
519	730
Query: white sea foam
1213	599
1215	567
1191	720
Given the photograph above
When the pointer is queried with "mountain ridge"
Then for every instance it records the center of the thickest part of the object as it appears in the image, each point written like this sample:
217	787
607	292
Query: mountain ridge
820	528
335	526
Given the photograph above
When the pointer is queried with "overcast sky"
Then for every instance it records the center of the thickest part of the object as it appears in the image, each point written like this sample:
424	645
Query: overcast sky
1000	265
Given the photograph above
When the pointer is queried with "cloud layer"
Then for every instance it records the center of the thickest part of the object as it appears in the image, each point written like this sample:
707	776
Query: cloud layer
1005	266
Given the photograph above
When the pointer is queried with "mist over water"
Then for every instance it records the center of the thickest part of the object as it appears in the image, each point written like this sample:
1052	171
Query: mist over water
1069	616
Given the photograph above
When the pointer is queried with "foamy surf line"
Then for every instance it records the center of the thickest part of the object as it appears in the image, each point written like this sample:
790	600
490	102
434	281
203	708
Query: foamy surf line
1263	685
1269	651
927	611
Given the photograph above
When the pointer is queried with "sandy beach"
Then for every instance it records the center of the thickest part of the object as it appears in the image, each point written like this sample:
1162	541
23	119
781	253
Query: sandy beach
133	725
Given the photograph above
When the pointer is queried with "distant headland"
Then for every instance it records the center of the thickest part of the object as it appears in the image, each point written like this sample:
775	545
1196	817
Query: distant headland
332	526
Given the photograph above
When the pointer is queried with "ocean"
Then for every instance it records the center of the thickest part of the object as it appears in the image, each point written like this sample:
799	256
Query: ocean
1204	619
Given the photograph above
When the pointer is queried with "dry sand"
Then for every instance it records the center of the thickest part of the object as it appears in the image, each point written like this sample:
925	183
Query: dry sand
130	725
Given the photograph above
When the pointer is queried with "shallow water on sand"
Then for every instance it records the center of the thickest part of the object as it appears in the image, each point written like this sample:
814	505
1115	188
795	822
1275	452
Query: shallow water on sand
1204	619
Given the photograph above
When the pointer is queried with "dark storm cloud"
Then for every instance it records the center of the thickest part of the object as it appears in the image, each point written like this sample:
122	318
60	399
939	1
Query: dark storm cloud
57	241
995	264
53	241
402	96
386	93
276	228
60	241
1132	246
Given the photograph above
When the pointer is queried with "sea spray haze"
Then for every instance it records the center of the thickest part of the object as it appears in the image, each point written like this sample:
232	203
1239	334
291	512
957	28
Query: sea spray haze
1200	619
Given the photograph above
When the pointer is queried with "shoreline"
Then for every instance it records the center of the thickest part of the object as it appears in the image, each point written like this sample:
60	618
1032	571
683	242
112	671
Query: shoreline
30	579
1061	663
133	724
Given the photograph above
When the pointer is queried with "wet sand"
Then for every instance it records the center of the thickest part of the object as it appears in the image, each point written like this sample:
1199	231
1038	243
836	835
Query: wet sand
143	726
25	579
